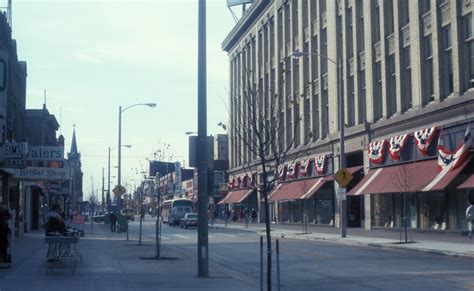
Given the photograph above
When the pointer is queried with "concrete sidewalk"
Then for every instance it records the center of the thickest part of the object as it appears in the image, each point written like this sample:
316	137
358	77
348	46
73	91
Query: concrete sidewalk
112	263
423	242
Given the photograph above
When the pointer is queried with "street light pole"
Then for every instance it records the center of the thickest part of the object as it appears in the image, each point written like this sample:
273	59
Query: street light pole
203	239
342	153
108	202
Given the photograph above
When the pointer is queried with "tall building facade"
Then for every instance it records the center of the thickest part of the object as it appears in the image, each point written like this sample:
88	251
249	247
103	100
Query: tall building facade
407	66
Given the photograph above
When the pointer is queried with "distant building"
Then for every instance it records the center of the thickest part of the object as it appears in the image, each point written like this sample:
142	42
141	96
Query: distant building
74	161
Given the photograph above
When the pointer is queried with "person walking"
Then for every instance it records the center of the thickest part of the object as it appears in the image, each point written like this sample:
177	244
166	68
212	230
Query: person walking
470	218
254	215
113	222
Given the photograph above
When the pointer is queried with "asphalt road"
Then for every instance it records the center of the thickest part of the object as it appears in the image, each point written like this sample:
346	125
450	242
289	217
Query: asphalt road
311	265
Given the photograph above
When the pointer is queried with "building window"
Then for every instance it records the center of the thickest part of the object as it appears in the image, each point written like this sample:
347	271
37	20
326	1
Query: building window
361	100
404	13
316	116
378	114
469	48
448	60
428	71
376	24
388	15
406	77
350	102
425	6
392	87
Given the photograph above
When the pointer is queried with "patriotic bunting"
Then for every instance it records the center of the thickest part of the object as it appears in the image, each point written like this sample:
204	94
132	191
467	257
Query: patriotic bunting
453	159
291	172
423	139
376	150
305	167
233	183
281	172
396	144
320	164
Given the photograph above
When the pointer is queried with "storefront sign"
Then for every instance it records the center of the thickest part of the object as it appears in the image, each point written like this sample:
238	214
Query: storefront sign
45	153
36	173
15	155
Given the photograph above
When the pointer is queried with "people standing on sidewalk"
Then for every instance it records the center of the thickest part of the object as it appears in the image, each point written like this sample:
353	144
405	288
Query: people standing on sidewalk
470	218
113	222
5	235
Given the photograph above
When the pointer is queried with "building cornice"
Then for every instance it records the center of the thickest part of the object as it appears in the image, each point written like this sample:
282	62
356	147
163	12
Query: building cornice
244	24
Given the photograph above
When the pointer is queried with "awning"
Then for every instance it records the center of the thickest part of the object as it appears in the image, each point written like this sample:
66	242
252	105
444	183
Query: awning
302	189
351	170
468	184
445	177
410	177
236	196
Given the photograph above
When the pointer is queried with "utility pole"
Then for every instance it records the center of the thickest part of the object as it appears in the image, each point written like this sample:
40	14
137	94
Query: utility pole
103	190
203	239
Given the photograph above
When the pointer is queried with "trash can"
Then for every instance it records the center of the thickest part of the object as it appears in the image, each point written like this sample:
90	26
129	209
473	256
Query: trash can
122	223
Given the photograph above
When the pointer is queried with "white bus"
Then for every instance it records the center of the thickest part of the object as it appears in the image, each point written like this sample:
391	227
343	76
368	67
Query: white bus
173	210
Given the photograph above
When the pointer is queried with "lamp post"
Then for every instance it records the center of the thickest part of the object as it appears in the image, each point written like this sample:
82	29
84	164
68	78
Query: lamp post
203	239
119	171
108	200
342	154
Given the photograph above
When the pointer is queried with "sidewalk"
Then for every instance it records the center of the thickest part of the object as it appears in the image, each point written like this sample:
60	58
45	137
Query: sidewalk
112	263
438	243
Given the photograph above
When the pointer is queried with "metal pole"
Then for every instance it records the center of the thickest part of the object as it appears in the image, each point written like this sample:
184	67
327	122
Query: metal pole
119	169
141	218
261	263
108	184
278	263
203	239
103	190
342	153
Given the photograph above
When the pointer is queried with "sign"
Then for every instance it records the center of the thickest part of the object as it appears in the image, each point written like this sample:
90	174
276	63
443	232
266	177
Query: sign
343	177
45	153
231	3
13	163
211	200
36	173
341	194
119	190
78	219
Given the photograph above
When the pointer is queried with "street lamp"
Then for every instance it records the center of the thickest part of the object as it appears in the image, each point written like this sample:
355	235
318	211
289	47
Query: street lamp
108	200
342	154
119	172
152	105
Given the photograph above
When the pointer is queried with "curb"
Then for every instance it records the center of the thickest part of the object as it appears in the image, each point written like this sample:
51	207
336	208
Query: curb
356	243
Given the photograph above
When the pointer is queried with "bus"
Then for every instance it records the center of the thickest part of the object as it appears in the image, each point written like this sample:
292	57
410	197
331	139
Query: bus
173	210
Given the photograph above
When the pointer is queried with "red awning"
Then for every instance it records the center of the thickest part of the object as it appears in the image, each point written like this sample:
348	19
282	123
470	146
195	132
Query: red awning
236	196
445	177
351	170
468	184
302	189
411	177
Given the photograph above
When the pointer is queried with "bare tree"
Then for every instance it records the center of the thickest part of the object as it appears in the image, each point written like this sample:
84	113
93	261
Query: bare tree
403	181
265	135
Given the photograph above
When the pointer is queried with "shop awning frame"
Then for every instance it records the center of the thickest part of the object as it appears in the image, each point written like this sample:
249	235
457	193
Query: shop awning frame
297	190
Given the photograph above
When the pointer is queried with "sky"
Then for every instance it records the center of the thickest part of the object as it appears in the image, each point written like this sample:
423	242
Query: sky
93	56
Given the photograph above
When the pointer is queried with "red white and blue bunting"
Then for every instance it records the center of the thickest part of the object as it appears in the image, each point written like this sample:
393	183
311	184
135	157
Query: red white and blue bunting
453	159
396	144
281	172
291	172
233	183
305	167
320	164
376	150
423	138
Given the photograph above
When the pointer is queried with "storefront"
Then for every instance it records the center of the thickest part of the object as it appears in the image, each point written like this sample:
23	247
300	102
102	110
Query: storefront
418	182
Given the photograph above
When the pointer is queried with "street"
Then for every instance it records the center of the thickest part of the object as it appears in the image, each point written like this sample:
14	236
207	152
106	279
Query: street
324	266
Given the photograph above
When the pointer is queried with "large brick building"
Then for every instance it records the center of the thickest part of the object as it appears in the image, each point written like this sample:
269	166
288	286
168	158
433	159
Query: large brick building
406	66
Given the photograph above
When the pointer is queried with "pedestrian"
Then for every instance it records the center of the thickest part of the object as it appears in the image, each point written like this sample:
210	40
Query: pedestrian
5	235
254	215
113	222
470	217
241	215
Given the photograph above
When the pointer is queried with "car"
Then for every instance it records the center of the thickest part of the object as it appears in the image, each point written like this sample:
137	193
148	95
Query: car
189	219
129	213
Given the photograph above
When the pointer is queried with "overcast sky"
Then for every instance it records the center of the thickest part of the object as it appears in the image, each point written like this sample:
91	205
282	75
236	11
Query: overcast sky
92	56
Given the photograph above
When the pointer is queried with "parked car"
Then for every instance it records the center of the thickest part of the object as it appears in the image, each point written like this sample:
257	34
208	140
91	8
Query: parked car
189	219
129	213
